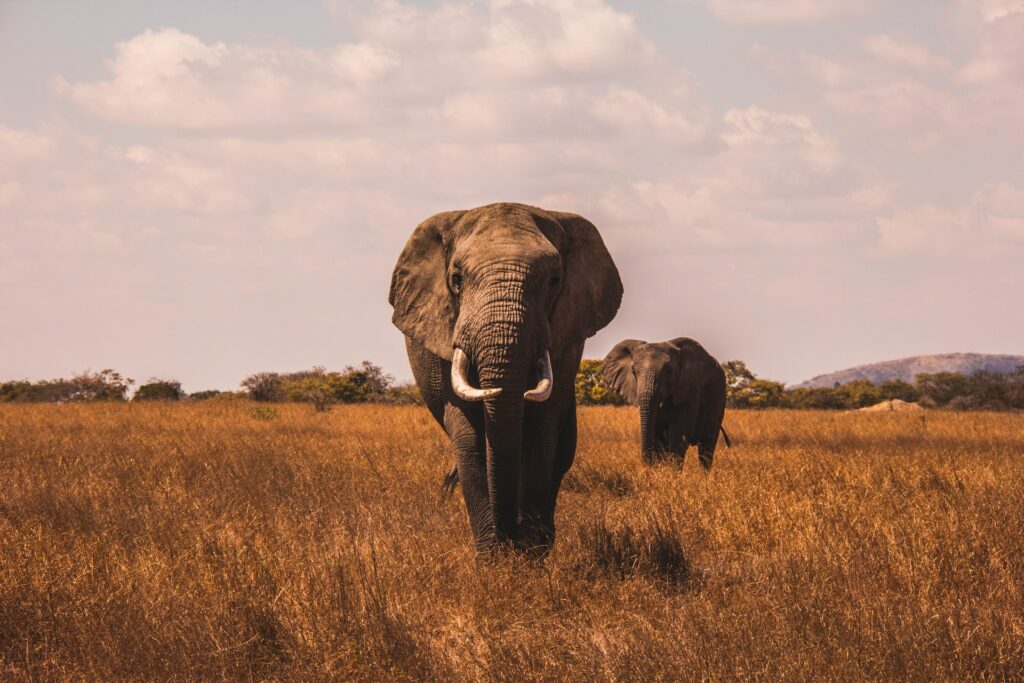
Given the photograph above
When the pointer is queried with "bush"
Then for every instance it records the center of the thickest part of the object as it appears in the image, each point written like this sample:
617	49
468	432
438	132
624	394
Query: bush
941	387
106	385
16	391
898	389
264	386
207	394
403	394
159	390
820	398
591	388
363	384
744	390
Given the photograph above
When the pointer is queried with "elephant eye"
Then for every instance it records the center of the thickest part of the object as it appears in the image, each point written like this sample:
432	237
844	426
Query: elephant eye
555	281
456	282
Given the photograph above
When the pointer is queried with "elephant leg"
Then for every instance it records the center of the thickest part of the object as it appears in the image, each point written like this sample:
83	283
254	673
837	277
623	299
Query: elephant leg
549	451
536	523
662	431
686	422
429	371
464	423
711	422
675	441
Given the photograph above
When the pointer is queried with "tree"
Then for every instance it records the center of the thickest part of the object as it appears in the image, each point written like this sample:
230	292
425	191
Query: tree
403	394
762	393
744	390
859	393
264	386
159	390
366	383
898	389
206	394
370	381
942	387
105	385
815	398
591	388
87	386
737	376
16	391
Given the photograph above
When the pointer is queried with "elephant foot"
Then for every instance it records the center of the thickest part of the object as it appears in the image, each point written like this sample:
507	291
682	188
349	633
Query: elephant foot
535	538
494	552
662	457
706	460
532	542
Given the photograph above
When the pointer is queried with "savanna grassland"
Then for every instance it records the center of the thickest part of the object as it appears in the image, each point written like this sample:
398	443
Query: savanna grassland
228	540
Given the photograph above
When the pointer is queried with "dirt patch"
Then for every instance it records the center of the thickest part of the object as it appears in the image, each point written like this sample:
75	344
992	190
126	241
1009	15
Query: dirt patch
894	406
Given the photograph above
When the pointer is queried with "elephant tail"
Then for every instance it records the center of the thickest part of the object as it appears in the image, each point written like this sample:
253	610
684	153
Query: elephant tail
451	480
728	444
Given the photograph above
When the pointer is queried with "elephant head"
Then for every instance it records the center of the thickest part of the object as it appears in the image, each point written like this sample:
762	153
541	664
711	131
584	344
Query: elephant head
646	376
500	291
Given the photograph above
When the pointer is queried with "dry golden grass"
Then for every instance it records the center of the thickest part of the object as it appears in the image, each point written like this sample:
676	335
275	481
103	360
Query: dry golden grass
212	540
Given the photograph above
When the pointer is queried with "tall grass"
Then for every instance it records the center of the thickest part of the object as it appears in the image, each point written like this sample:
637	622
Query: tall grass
209	540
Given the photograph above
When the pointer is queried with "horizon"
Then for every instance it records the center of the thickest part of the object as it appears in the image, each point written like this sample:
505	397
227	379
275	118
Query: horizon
397	380
200	193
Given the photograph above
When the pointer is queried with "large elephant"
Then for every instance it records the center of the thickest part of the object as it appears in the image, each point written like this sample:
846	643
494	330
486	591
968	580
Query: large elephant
495	304
680	390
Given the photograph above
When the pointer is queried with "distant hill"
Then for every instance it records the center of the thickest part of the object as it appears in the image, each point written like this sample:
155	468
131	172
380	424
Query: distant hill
907	369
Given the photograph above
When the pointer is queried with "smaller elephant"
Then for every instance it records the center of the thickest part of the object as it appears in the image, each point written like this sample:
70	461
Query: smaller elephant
680	391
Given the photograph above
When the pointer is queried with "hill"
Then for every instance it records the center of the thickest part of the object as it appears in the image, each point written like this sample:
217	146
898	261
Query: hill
907	369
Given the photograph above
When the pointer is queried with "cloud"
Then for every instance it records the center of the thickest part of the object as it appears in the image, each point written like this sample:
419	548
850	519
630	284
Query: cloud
992	217
505	65
776	181
779	12
901	53
259	191
897	86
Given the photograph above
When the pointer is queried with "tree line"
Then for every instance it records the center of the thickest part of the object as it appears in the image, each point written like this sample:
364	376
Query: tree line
950	390
365	383
368	383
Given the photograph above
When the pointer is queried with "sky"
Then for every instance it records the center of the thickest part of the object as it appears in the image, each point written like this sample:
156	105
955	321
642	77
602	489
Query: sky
203	190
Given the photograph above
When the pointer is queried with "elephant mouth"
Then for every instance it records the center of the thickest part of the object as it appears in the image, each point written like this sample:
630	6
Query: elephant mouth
467	392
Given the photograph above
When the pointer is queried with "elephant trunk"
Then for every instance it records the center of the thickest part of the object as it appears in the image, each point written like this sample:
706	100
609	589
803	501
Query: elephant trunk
647	392
505	349
504	436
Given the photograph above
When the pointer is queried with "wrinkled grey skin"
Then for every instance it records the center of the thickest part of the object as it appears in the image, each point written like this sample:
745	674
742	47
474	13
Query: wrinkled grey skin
504	283
680	391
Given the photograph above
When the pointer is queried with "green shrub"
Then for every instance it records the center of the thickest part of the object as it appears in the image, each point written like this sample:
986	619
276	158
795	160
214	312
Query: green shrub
159	390
591	387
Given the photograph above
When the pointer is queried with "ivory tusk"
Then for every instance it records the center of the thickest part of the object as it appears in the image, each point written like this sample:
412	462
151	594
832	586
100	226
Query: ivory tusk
542	391
463	389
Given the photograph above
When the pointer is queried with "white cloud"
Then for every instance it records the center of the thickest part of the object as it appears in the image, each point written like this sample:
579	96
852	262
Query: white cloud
993	215
412	67
775	181
901	53
899	87
787	11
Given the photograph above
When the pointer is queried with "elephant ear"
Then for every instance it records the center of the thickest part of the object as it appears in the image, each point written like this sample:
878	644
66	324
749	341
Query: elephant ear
618	369
424	310
591	288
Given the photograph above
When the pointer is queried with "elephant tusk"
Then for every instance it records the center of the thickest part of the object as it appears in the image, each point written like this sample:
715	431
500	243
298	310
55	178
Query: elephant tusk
463	389
542	391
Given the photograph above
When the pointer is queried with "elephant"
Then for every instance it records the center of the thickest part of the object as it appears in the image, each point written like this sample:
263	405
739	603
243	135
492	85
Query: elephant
680	390
495	304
